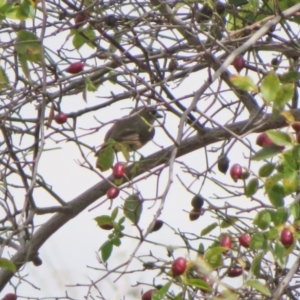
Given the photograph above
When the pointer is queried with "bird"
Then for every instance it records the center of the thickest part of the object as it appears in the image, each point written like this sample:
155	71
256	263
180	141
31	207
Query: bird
131	132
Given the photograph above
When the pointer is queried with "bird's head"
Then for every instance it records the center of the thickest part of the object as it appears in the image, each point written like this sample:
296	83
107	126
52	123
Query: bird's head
150	114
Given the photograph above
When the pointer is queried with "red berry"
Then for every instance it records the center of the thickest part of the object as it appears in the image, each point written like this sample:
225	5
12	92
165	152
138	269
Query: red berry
10	297
287	237
195	214
226	243
112	193
61	118
239	63
296	126
245	240
106	226
119	170
148	295
75	68
235	272
80	18
236	172
263	140
158	225
179	266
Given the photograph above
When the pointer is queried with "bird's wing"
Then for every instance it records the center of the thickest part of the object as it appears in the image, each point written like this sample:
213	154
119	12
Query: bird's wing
118	132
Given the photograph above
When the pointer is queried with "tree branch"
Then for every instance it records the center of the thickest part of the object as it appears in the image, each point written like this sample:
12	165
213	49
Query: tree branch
91	195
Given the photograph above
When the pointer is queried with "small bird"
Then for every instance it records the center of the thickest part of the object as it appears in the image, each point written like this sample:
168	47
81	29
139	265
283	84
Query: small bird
132	132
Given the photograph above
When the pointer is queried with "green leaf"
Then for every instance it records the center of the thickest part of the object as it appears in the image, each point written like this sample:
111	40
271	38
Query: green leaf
290	77
7	264
106	250
295	210
124	152
296	155
252	187
233	22
258	242
269	87
244	83
266	152
82	37
88	3
288	116
262	219
178	296
279	216
160	294
133	208
4	82
89	86
106	157
208	229
117	227
179	5
290	182
28	8
284	95
266	170
258	286
228	222
214	256
199	284
121	221
24	66
276	195
78	40
254	4
237	2
279	138
28	46
279	254
114	213
103	220
201	248
20	12
2	3
256	264
227	294
116	241
272	234
290	161
272	180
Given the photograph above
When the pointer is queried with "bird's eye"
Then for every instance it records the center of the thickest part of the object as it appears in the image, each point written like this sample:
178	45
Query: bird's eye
153	112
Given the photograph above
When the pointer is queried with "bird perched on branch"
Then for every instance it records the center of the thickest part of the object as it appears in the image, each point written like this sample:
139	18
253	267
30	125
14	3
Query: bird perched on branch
127	134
